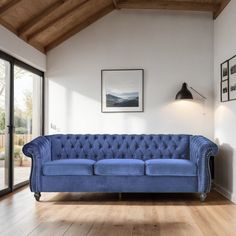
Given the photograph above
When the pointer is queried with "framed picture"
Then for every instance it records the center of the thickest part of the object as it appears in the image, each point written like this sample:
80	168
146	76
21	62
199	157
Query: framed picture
122	90
225	70
224	81
225	91
232	78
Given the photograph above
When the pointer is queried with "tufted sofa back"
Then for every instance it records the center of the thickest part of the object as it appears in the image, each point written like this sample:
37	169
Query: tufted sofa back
104	146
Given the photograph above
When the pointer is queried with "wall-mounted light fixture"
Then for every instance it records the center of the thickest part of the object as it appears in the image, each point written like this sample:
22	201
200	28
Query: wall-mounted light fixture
184	93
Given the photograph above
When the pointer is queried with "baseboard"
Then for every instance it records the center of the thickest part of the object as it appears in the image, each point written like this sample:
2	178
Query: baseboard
221	190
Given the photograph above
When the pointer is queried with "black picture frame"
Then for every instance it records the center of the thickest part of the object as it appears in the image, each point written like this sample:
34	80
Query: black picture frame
224	81
232	78
104	108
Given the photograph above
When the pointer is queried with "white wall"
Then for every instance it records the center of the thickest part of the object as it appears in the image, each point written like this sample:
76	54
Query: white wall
172	47
16	47
225	113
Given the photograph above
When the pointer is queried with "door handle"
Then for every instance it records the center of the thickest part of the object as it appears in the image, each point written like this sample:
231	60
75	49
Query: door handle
11	128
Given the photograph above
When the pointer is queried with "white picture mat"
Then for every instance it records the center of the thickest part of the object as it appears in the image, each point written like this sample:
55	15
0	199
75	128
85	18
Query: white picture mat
224	67
122	81
232	78
224	95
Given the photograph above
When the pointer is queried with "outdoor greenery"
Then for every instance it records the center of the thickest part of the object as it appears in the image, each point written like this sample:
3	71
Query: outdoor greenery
21	117
22	109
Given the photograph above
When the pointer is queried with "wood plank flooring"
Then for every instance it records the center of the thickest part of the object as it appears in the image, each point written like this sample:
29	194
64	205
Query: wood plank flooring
97	214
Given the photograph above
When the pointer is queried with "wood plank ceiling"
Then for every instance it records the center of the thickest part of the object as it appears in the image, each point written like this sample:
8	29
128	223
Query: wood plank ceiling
44	24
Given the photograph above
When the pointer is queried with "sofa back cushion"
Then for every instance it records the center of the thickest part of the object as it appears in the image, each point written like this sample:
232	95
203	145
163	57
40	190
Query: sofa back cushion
104	146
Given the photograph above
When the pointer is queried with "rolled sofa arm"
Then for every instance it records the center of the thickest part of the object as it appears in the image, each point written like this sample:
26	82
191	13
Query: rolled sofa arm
201	149
39	150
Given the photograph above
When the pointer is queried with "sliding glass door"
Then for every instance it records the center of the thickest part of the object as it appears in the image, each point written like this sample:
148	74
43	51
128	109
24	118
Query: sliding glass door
21	119
27	118
4	120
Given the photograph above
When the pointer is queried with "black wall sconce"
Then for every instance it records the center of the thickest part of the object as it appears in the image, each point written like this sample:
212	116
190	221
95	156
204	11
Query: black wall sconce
184	93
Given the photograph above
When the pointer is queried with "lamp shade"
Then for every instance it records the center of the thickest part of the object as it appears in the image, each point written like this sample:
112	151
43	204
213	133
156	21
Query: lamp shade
184	93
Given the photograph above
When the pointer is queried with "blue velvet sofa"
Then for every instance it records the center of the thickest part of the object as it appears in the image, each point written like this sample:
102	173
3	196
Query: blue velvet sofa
120	163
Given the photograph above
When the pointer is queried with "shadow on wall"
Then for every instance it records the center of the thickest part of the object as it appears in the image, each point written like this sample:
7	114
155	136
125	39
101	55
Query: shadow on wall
80	101
80	105
224	167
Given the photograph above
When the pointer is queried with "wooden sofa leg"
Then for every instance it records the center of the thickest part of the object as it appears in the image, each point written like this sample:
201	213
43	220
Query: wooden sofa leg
37	196
203	197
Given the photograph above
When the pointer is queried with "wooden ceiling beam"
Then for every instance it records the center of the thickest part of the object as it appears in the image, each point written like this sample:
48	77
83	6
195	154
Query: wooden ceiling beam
37	46
115	4
51	23
221	7
32	22
168	5
8	6
91	19
12	29
8	26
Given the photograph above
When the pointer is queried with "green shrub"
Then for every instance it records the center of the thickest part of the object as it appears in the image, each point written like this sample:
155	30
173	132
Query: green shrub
17	152
21	142
21	130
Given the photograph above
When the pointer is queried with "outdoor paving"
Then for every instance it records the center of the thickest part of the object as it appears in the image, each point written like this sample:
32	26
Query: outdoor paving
21	174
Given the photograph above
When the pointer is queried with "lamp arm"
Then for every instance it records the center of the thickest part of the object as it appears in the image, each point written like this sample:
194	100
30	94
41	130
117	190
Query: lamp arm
198	92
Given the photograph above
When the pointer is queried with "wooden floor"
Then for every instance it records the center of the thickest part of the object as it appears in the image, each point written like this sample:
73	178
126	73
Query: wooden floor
103	214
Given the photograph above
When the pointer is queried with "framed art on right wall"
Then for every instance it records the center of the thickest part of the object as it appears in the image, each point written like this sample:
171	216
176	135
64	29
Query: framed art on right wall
224	81
232	78
225	91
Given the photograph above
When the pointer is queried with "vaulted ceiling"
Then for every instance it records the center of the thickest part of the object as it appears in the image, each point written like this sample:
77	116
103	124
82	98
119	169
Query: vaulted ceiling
46	23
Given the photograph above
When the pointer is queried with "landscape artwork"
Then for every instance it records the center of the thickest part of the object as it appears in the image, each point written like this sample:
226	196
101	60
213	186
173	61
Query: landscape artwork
122	90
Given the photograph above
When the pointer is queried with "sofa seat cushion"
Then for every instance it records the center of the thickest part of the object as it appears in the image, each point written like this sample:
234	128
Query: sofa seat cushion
69	167
170	167
124	167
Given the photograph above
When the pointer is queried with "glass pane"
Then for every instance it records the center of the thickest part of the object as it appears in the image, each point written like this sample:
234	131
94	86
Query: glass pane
27	118
4	102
